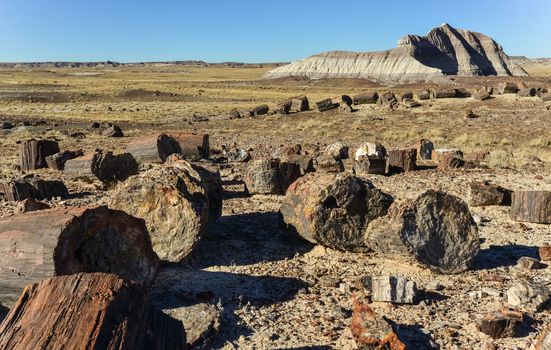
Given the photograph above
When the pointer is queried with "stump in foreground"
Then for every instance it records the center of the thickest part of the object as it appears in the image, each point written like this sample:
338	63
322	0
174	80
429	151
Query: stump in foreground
33	153
45	243
88	311
436	229
333	209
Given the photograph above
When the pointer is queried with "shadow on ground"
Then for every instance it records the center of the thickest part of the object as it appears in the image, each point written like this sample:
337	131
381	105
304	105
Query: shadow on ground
3	312
413	336
502	256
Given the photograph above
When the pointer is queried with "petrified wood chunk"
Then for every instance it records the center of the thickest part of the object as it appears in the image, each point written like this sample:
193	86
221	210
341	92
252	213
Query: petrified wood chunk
365	98
107	167
440	153
259	110
504	323
271	176
531	206
392	289
372	149
481	95
33	153
325	105
112	131
443	93
305	162
527	92
333	209
370	165
88	311
507	88
485	193
57	161
18	190
44	243
387	100
299	104
173	201
462	93
29	204
545	252
437	229
424	149
446	162
154	148
402	160
337	150
421	95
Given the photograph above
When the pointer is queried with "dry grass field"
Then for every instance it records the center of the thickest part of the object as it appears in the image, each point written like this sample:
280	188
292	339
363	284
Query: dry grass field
271	291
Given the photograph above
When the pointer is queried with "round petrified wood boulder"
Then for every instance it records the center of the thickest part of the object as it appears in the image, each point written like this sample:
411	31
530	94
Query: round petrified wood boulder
437	229
173	201
333	209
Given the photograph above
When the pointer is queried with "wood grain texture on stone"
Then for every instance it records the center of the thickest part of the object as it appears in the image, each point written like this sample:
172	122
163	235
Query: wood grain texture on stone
531	206
173	201
325	105
33	153
57	161
436	229
370	165
104	166
504	323
270	176
483	193
402	160
46	243
333	210
365	98
153	148
33	188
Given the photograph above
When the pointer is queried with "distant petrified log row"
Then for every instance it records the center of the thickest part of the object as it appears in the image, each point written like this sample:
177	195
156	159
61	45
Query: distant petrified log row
174	201
365	98
437	229
506	88
325	105
157	147
33	153
18	190
271	176
107	167
46	243
57	161
88	311
333	209
294	105
531	206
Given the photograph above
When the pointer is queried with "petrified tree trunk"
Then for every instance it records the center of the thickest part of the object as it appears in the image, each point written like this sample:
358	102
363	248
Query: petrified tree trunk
402	160
153	148
174	203
46	243
370	149
387	100
366	98
424	149
528	92
531	206
392	289
441	153
270	176
87	311
505	323
57	161
33	153
299	104
507	88
370	165
446	93
107	167
437	229
325	105
481	95
259	110
421	95
39	189
333	209
485	193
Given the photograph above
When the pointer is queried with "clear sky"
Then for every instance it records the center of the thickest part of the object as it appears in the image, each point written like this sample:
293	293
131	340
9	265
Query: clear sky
251	30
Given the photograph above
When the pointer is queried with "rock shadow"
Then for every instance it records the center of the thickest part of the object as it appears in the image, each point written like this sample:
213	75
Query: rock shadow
3	312
245	239
502	256
413	336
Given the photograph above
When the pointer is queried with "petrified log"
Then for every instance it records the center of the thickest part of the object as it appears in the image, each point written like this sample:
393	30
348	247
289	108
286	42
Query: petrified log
485	193
270	176
112	131
531	206
462	93
57	161
157	147
333	209
173	201
88	311
546	97
107	167
424	149
305	162
410	103
299	104
504	323
404	95
371	331
402	160
33	153
283	108
370	165
392	289
192	146
528	92
446	162
444	93
342	100
507	88
365	98
337	150
325	105
371	149
51	242
18	190
259	110
481	95
328	163
421	95
441	153
387	100
437	229
30	204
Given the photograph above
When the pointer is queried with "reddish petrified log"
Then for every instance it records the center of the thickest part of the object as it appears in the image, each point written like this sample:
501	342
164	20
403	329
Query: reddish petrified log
402	160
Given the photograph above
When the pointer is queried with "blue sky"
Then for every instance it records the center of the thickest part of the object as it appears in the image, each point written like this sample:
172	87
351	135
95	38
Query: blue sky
251	31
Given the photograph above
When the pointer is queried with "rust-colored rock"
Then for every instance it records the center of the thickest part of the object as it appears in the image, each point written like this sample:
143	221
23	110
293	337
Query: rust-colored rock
504	323
485	193
424	149
402	160
45	243
173	200
105	166
545	252
446	162
33	153
441	153
531	206
436	229
33	188
328	163
371	331
88	311
333	209
299	104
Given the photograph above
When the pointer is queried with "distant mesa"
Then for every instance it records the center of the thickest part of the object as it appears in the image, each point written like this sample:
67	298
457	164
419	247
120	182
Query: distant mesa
442	52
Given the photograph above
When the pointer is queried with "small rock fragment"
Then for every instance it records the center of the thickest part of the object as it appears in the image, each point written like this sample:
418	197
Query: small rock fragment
393	289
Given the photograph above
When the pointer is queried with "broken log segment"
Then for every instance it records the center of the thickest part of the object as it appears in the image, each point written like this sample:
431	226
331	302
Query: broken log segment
436	229
325	105
402	160
392	289
107	167
33	153
173	201
46	243
424	149
333	209
18	190
507	88
483	193
365	98
531	206
271	176
370	165
504	323
57	161
86	311
299	104
481	95
157	147
371	149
